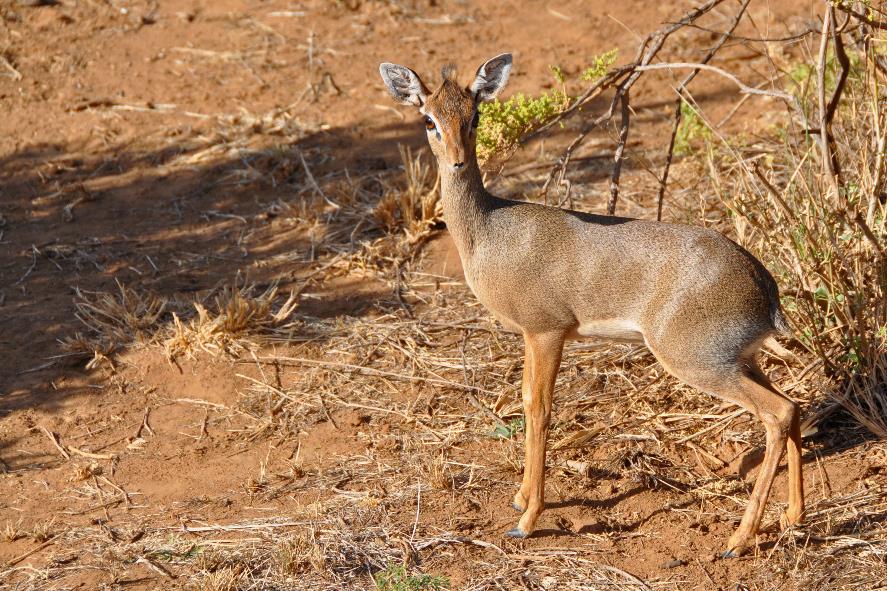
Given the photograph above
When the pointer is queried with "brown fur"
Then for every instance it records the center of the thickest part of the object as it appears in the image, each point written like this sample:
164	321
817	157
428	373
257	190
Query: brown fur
701	303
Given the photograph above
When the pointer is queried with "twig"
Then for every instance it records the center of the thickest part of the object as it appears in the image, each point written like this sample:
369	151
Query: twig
486	411
625	120
844	6
314	184
155	567
21	557
54	438
663	179
326	411
743	88
711	427
16	75
368	370
418	506
237	526
201	402
101	497
825	143
119	489
34	253
87	454
145	426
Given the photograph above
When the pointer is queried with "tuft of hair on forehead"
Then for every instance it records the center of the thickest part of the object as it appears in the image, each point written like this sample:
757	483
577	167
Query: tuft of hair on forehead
448	73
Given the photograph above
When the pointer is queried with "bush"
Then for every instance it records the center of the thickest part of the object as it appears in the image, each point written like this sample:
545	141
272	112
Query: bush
504	124
825	244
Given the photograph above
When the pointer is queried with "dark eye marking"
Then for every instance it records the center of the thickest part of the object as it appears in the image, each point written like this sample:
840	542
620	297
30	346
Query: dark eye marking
429	123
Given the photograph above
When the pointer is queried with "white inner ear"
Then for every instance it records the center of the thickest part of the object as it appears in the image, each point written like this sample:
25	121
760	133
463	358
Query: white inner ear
487	84
403	84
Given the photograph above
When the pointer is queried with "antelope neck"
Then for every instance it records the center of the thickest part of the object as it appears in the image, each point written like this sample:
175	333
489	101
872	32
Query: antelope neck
465	203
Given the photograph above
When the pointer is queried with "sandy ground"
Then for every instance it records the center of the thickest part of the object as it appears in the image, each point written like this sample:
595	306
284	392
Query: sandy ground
137	144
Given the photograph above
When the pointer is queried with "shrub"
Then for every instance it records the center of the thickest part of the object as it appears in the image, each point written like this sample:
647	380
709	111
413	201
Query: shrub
826	244
504	124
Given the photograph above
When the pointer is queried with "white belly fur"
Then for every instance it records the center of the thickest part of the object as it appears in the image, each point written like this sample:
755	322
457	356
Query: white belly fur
615	329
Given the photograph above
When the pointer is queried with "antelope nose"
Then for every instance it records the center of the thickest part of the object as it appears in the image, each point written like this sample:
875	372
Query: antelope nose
459	165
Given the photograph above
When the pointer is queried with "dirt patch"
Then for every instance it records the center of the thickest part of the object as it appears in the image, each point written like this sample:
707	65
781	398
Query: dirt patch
183	148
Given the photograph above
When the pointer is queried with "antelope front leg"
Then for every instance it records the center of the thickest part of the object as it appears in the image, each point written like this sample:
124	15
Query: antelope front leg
519	503
543	358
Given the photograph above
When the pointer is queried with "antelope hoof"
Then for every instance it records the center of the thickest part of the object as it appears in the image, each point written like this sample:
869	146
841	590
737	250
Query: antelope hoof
516	533
735	550
517	507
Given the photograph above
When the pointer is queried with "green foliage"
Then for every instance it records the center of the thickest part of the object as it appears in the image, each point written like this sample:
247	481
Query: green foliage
692	127
396	578
504	123
508	431
600	64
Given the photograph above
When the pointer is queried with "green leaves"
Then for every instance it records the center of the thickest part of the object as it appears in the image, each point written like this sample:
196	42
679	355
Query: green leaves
601	63
397	578
504	123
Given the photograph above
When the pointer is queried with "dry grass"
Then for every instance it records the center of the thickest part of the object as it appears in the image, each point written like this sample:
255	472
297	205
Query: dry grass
438	374
415	207
237	322
826	243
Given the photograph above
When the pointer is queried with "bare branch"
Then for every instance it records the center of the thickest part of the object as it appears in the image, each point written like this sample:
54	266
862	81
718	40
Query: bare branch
743	88
858	15
663	180
620	151
616	75
827	109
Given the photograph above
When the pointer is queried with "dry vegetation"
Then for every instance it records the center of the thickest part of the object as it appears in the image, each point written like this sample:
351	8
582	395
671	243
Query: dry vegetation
443	380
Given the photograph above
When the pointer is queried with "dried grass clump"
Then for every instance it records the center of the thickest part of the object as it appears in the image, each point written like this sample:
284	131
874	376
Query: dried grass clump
123	318
414	208
114	321
238	322
824	235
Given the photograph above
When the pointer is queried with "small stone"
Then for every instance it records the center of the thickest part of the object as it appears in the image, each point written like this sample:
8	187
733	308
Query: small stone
674	563
548	582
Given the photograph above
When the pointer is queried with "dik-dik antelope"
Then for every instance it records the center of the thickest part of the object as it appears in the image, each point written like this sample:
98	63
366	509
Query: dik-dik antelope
700	302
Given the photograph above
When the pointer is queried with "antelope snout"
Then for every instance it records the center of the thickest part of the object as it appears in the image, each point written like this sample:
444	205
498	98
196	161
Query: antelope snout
456	156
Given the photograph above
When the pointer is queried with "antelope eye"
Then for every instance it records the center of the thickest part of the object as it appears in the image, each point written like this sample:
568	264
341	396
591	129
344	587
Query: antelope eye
429	123
475	121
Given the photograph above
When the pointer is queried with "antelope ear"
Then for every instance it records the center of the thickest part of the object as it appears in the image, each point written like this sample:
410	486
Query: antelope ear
491	78
404	84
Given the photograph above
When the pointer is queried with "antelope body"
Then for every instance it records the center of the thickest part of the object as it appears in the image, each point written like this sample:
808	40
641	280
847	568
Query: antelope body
701	303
